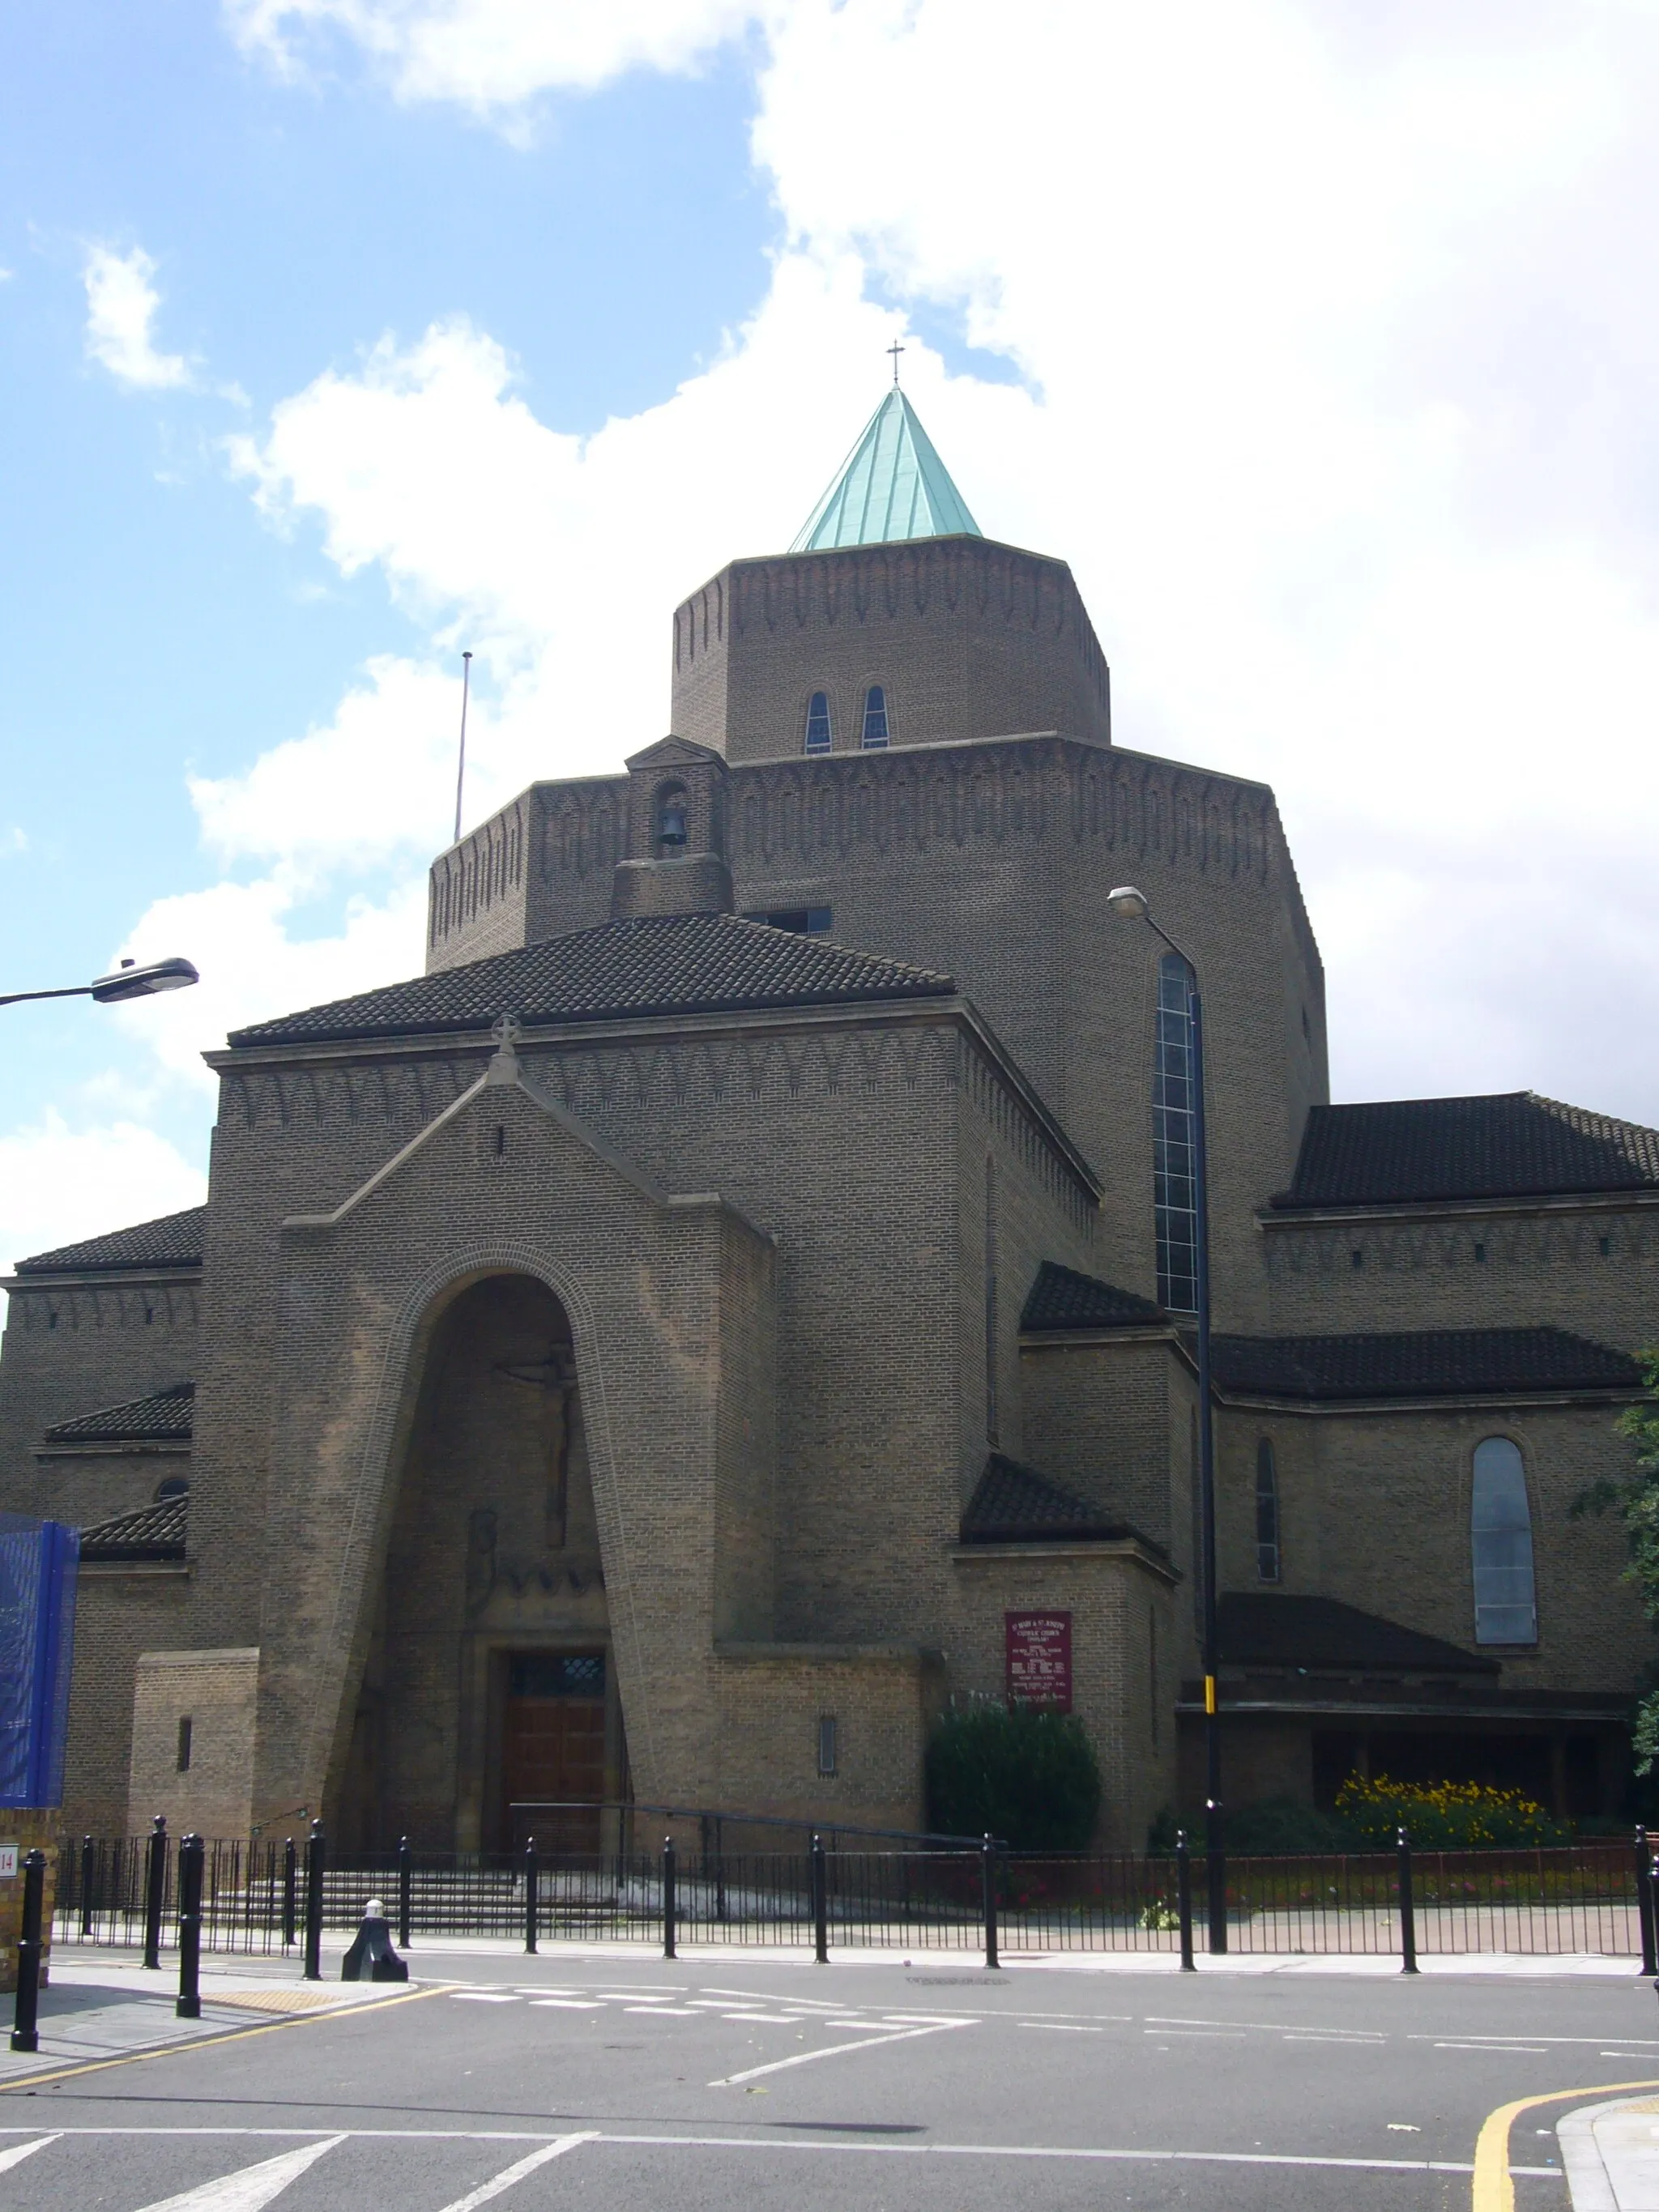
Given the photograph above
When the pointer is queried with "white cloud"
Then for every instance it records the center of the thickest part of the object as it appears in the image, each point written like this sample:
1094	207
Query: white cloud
1336	396
122	304
491	55
61	1184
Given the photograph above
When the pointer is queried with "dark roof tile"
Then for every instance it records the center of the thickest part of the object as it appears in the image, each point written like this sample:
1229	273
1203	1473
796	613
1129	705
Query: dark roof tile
1061	1298
1429	1362
163	1416
1015	1504
173	1241
679	963
147	1532
1259	1629
1512	1144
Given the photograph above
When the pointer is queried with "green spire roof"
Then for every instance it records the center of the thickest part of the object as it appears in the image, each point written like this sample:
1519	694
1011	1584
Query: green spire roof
892	485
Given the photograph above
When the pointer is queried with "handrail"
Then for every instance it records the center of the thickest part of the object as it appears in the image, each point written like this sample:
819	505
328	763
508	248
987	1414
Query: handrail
752	1819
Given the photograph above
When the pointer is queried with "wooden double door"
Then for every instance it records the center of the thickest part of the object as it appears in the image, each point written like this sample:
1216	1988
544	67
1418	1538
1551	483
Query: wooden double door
553	1749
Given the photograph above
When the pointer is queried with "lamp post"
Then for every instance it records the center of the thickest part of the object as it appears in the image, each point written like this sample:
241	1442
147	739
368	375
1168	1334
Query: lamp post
1134	906
129	981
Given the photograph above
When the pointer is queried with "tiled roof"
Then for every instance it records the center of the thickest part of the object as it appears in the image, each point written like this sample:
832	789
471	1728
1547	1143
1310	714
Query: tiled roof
149	1532
174	1241
1428	1362
1014	1504
1061	1298
165	1415
1258	1629
676	963
1513	1145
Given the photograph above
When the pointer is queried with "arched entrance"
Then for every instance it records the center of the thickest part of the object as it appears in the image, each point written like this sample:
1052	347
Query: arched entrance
489	1679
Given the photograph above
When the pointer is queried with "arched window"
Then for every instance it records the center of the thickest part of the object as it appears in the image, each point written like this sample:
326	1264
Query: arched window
875	716
991	1408
670	821
1500	1540
1267	1513
172	1485
818	733
1175	1214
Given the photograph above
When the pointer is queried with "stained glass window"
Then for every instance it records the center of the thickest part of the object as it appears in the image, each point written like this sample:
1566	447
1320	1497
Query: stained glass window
1174	1192
1500	1535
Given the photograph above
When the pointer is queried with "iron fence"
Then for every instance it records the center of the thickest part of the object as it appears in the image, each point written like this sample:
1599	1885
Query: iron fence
256	1898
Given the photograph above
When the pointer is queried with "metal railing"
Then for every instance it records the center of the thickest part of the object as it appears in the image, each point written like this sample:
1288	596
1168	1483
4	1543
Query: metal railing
270	1896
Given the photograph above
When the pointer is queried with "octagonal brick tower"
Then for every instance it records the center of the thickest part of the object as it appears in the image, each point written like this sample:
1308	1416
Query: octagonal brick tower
892	586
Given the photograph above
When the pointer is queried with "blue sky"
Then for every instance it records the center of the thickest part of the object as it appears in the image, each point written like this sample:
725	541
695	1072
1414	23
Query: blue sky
339	334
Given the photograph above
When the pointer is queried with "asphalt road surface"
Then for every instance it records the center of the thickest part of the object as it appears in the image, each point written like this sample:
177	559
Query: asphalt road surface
616	2085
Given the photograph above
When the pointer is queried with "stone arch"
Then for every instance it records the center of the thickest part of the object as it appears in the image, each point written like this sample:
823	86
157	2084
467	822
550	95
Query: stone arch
370	1554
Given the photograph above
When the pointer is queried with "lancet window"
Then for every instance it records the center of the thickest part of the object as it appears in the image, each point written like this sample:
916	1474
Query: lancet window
1174	1192
875	716
1500	1538
819	735
1267	1513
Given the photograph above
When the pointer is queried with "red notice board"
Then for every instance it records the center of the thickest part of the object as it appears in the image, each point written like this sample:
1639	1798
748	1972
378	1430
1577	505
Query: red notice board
1039	1653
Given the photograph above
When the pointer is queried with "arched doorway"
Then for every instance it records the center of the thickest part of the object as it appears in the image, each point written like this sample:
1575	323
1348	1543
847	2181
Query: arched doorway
488	1679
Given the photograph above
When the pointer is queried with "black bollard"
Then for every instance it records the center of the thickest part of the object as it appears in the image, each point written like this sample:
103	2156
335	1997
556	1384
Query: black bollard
291	1894
531	1873
1184	1898
1644	1906
668	1898
820	1903
1407	1906
316	1859
155	1888
192	1851
371	1946
987	1883
25	2036
405	1891
88	1874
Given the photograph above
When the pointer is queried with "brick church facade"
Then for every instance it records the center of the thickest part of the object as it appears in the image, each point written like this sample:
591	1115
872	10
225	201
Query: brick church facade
738	1298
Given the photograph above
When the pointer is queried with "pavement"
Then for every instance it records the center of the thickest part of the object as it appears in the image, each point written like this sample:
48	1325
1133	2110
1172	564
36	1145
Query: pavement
609	2076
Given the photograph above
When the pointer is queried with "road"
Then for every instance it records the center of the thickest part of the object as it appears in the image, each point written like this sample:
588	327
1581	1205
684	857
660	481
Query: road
627	2083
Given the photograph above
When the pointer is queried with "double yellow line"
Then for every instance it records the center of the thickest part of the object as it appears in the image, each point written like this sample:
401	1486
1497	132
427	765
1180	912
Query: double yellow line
1493	2190
26	2082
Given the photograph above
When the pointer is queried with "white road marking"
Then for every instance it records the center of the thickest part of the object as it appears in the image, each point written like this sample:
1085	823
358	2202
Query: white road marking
1275	2026
1342	2042
1499	2049
1226	2035
570	2004
795	2143
665	2011
484	1996
509	2174
1649	2044
1060	2026
832	2050
254	2187
19	2152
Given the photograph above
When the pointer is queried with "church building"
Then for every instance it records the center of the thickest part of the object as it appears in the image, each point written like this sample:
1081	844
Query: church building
739	1299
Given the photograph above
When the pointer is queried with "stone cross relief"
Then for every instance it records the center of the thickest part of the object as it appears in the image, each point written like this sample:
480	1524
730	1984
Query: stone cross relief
555	1375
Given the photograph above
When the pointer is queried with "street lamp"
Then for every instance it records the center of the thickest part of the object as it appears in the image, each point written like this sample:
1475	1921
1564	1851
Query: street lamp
129	981
1133	905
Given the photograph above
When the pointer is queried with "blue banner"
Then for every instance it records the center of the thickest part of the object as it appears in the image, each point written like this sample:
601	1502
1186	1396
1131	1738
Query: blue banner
38	1563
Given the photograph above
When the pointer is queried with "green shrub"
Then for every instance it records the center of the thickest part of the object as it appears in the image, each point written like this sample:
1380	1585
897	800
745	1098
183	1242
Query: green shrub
1444	1815
1026	1775
1281	1826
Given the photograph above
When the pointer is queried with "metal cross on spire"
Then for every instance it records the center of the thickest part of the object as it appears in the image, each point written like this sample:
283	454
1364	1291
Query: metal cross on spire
895	350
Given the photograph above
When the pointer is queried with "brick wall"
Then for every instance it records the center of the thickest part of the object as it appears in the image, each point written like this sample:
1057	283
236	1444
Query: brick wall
204	1786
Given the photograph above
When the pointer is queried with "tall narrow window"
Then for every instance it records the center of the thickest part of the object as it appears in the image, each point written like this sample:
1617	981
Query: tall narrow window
1151	1672
875	716
1500	1537
1267	1513
186	1730
990	1302
819	733
1175	1211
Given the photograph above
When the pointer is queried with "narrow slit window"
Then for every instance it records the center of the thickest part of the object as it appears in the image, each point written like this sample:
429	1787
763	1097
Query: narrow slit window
1174	1197
1267	1513
828	1747
991	1407
875	716
819	735
186	1730
1500	1537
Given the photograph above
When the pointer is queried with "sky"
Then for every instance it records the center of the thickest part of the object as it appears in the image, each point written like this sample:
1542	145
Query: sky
336	337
